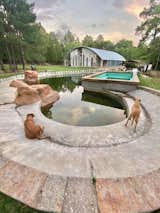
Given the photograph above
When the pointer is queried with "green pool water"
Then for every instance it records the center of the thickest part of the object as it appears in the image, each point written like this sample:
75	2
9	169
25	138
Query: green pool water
115	75
79	108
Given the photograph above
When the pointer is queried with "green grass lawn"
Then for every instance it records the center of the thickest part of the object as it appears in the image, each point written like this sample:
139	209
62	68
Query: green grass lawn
150	82
9	205
48	67
41	68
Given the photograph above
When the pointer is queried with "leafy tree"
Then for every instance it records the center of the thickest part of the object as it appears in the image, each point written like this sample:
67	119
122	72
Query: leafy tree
88	41
99	42
100	38
35	46
69	37
150	31
70	41
17	19
126	48
150	27
54	53
142	52
154	53
108	45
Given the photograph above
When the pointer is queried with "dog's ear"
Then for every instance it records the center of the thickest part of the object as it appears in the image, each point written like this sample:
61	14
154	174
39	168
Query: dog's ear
31	114
137	99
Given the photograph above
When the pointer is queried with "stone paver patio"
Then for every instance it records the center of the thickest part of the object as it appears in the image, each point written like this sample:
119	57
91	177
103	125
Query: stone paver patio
81	169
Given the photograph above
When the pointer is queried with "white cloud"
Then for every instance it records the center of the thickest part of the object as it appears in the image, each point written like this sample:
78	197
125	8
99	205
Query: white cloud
109	17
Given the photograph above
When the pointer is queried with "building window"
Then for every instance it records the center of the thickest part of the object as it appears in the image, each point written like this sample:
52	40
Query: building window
91	62
109	63
73	61
77	60
87	62
83	64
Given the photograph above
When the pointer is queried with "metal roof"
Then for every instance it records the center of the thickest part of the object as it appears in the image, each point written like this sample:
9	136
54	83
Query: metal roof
107	55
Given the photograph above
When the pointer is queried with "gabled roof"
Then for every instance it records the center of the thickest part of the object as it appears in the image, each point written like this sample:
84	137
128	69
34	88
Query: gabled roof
107	55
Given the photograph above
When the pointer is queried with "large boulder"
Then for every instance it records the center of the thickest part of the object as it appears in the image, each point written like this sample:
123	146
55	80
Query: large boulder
47	95
25	93
31	77
30	94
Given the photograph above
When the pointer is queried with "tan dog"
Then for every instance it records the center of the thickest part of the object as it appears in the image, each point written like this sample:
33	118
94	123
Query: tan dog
33	131
135	113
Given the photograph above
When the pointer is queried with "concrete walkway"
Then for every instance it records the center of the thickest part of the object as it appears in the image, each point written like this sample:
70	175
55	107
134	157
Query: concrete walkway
81	170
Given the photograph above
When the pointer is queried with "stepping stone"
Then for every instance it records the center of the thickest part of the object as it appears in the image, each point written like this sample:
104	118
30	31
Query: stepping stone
52	196
21	183
110	196
127	195
148	186
80	196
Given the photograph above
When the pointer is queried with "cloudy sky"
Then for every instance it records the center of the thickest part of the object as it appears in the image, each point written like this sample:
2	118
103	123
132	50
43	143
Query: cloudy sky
114	19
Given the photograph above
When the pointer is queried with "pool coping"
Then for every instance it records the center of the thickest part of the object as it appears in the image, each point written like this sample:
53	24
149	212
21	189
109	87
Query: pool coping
151	90
75	133
133	81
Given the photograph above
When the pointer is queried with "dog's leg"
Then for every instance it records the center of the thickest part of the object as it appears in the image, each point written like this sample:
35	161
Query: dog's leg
42	127
40	134
132	121
135	127
129	118
136	122
43	137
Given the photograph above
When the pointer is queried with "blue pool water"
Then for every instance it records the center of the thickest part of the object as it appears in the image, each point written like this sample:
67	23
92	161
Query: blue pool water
115	75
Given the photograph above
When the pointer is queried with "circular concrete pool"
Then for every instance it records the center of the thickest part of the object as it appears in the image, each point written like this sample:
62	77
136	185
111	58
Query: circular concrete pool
78	108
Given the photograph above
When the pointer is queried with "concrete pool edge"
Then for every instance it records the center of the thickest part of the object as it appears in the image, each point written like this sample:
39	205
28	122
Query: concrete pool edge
86	136
134	76
92	84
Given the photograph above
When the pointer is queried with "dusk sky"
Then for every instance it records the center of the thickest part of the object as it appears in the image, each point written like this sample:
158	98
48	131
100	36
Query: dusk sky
114	19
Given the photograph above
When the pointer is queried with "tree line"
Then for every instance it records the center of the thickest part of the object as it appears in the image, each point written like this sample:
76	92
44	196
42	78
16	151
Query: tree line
23	40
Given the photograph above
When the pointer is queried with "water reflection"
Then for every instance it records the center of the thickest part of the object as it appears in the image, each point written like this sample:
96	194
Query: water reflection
79	108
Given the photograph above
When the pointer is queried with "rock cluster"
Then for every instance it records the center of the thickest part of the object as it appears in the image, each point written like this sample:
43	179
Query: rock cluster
31	77
28	94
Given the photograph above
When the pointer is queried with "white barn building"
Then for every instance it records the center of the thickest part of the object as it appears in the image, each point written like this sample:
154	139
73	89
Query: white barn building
93	57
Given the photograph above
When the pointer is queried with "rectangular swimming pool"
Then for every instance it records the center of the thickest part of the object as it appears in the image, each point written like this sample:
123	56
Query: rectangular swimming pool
106	80
115	75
